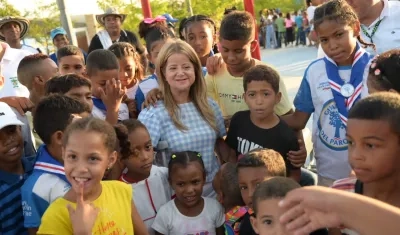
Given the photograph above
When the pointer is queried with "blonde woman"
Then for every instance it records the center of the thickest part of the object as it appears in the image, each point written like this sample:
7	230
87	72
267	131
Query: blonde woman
185	118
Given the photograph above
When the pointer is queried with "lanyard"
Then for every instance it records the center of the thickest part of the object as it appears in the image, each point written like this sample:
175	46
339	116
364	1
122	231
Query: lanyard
373	30
151	201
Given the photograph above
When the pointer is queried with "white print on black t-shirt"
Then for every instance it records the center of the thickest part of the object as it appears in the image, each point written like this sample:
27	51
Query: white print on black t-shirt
245	146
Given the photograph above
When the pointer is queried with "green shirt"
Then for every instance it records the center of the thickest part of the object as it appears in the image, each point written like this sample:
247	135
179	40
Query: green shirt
280	22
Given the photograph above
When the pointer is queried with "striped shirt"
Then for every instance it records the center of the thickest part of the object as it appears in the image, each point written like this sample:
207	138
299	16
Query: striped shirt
11	218
348	185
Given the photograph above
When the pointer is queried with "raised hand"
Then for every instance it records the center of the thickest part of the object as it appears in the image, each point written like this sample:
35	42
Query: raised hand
84	216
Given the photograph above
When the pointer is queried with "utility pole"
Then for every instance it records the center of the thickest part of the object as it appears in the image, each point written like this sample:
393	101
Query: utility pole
189	7
66	22
146	9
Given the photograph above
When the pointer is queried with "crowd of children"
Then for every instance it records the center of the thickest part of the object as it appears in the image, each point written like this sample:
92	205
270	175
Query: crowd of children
235	147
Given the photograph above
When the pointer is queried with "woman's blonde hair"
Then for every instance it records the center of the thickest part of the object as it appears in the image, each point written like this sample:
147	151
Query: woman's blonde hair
198	90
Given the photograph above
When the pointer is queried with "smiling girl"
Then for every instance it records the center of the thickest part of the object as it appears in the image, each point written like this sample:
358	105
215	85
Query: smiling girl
88	150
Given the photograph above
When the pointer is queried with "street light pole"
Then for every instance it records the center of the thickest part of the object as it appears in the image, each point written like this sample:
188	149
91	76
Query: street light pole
66	22
146	9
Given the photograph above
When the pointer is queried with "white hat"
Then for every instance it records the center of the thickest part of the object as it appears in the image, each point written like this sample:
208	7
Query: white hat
110	11
8	117
22	22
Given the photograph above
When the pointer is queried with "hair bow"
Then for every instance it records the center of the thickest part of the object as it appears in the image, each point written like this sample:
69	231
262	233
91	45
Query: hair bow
153	20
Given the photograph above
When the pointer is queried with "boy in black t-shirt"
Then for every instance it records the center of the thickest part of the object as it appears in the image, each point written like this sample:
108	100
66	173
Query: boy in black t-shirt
260	127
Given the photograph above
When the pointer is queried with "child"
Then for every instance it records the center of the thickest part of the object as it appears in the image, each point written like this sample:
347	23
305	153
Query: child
73	86
130	72
201	35
33	72
149	182
155	35
48	182
71	60
253	168
189	212
60	40
226	186
130	68
373	133
103	71
14	169
331	86
260	127
267	212
88	150
384	72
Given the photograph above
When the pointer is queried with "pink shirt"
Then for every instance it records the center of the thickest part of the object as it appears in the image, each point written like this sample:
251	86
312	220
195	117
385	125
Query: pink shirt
288	23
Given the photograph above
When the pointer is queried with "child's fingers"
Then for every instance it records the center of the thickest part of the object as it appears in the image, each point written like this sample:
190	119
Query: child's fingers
294	211
79	196
298	223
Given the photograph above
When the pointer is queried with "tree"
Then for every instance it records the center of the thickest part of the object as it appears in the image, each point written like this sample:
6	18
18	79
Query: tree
43	19
6	9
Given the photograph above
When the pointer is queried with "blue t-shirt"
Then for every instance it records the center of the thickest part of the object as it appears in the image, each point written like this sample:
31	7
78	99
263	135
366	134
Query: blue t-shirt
299	21
11	216
46	183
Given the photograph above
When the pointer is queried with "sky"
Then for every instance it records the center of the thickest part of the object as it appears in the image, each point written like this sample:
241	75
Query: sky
74	7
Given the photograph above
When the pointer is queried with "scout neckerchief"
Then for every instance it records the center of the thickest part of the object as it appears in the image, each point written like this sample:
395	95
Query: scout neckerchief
376	25
346	94
47	164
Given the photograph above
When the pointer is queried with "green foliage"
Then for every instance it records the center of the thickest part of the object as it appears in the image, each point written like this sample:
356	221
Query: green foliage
43	19
178	8
6	9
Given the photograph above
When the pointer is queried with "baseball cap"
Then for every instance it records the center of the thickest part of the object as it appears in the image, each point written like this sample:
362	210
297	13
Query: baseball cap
57	31
169	18
8	117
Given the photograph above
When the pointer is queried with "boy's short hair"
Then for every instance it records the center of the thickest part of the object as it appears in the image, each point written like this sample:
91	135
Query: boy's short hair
101	60
268	158
64	83
29	67
230	185
237	25
379	106
274	188
262	73
54	113
70	50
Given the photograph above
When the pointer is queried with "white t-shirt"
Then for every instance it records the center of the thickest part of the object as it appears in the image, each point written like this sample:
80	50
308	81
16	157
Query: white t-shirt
155	190
310	12
328	136
123	113
131	92
170	221
387	35
9	65
29	49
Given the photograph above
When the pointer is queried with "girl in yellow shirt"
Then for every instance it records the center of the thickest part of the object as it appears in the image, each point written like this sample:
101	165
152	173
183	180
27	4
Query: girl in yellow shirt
88	150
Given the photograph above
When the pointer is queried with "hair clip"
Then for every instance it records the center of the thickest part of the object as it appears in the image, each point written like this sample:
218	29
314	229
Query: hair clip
199	155
153	20
173	156
373	65
377	72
